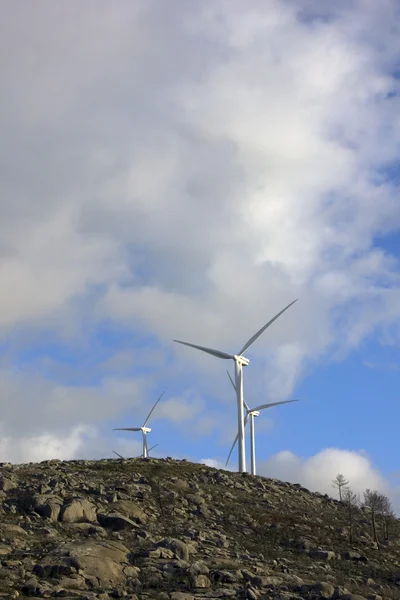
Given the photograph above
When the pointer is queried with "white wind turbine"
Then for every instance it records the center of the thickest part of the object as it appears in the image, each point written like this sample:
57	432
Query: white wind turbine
251	413
145	430
240	362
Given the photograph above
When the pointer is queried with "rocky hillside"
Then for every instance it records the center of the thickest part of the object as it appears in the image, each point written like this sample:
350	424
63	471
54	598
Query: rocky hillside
164	529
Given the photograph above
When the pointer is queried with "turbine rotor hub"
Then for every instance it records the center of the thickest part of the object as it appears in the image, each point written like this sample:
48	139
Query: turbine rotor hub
242	360
146	429
254	413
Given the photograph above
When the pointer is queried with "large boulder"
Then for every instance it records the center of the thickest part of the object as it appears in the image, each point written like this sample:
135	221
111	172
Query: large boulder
322	590
200	581
179	548
47	506
115	521
7	483
77	510
129	509
8	531
100	563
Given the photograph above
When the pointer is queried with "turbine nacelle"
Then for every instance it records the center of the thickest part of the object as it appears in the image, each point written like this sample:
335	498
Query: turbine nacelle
146	429
242	360
254	413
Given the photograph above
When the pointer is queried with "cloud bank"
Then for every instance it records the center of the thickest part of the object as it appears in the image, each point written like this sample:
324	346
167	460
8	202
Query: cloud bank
185	171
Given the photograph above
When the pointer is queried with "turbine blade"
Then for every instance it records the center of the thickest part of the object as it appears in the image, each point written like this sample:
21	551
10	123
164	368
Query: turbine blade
246	405
273	404
216	353
231	380
149	415
119	455
127	429
260	331
231	450
234	441
155	445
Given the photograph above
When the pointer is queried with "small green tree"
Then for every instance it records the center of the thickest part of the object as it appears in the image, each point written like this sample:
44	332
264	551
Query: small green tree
351	502
339	483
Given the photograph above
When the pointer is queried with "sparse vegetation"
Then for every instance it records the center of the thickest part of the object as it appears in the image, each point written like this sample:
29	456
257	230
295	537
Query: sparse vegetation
352	502
373	501
340	482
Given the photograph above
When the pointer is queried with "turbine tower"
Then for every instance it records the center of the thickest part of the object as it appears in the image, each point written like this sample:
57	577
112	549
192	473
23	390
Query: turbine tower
145	430
251	413
240	362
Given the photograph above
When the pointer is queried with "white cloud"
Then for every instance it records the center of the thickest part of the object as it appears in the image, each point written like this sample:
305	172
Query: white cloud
186	171
46	446
317	472
215	463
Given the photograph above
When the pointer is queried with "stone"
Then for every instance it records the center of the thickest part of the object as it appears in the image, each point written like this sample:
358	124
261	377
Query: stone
179	548
131	510
322	554
48	506
200	581
9	531
353	555
322	590
198	568
7	483
78	509
100	562
181	596
115	521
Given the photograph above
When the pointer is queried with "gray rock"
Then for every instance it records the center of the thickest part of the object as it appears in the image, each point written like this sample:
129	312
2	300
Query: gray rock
102	563
199	568
131	510
353	555
115	521
179	548
78	509
322	554
200	581
7	483
321	590
181	596
48	506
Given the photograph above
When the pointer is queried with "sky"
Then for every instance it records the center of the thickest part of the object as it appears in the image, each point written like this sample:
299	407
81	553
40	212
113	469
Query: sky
180	170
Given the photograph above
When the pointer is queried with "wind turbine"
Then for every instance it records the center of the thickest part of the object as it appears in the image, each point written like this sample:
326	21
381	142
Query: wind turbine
145	430
251	413
240	362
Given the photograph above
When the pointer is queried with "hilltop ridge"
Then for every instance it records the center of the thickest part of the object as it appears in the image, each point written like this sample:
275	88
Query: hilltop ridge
174	530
